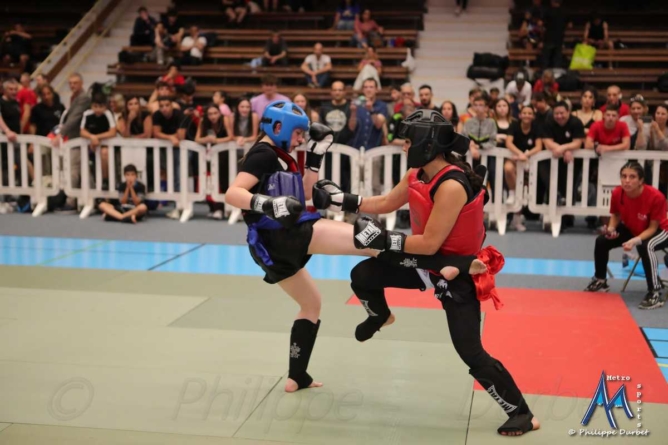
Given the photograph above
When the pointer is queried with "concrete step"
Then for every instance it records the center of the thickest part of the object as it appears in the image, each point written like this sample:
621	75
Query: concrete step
463	34
472	10
467	29
473	19
441	72
447	46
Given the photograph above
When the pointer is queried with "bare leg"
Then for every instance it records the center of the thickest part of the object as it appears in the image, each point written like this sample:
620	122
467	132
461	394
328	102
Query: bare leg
510	173
109	210
241	14
303	290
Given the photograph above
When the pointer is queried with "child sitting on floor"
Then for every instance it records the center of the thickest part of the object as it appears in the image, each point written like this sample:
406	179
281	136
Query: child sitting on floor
130	207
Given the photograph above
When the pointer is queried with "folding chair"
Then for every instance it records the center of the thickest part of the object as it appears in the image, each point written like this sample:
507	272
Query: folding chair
635	264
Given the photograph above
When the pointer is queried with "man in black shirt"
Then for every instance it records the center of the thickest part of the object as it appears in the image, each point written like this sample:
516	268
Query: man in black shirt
130	206
275	51
143	32
335	114
427	98
97	124
543	110
174	28
169	124
10	121
45	116
562	134
553	40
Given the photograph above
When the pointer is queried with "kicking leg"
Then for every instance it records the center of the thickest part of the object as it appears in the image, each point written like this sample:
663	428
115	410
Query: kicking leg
336	238
303	290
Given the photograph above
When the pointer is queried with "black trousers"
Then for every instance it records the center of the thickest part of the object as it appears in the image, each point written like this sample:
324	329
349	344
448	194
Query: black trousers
646	250
552	57
371	277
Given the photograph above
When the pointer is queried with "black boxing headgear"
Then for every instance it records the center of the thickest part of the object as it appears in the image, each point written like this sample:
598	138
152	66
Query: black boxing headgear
430	134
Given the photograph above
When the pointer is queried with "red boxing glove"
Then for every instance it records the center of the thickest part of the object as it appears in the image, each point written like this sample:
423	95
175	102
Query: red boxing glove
485	284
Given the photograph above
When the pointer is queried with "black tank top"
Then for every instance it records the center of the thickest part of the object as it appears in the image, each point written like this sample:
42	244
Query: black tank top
596	31
505	131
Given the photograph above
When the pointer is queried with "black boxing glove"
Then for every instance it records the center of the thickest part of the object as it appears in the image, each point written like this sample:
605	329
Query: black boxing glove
284	209
329	196
322	138
370	234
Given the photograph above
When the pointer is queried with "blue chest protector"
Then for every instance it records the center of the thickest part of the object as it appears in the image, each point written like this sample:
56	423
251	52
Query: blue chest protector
278	184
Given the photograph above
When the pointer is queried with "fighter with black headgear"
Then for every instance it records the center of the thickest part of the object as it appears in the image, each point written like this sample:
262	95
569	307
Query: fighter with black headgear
446	200
282	234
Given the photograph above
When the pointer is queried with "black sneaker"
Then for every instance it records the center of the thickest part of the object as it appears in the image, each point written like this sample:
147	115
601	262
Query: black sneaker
597	285
652	300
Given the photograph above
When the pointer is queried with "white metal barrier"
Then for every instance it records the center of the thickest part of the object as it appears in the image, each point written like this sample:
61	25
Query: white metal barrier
233	150
32	180
371	162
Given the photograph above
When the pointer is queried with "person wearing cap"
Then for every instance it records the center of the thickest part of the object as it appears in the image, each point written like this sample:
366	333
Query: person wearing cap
521	88
446	200
283	233
638	123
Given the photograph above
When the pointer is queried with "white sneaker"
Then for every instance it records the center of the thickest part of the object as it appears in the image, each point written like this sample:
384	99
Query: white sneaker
517	223
174	214
218	214
4	208
511	199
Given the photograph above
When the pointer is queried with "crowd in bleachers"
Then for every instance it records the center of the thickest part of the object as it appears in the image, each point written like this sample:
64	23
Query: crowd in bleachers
349	87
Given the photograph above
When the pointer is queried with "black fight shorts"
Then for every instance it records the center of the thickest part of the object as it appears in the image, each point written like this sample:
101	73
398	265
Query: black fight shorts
288	249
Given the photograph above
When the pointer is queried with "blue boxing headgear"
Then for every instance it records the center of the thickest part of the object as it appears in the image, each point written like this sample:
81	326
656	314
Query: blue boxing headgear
291	117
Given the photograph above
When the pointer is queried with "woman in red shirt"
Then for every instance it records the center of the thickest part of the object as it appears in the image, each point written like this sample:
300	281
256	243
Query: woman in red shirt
638	219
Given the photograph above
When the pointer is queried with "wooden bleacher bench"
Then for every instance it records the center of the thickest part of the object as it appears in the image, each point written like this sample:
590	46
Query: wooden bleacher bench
625	36
609	76
236	91
636	18
244	72
305	37
247	53
619	55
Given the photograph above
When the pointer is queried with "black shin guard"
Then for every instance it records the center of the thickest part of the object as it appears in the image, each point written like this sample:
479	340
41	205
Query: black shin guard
429	262
376	307
302	340
499	384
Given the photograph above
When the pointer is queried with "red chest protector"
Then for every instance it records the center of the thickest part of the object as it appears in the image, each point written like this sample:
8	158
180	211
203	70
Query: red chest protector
468	233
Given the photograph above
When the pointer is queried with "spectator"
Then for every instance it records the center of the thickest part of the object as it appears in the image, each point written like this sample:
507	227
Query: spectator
369	67
614	94
117	105
548	86
336	112
407	92
235	10
637	123
213	129
543	110
301	101
521	88
174	78
70	127
317	67
427	98
523	141
493	96
98	124
470	110
219	98
162	89
10	123
163	43
168	124
368	117
537	9
245	123
269	94
480	129
130	206
394	127
40	81
346	15
193	45
503	120
45	116
368	32
27	99
449	111
461	6
143	33
192	112
555	29
609	134
531	32
596	33
395	98
174	28
562	134
587	113
135	122
658	139
15	48
275	51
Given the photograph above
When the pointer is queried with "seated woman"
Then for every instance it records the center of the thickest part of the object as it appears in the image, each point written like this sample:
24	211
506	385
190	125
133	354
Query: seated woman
369	67
235	10
346	15
638	219
368	32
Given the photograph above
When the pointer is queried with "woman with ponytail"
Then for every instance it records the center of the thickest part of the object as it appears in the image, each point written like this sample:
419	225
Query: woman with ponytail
446	200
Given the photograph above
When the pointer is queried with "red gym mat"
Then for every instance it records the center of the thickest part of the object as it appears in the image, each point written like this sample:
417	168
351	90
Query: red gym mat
558	342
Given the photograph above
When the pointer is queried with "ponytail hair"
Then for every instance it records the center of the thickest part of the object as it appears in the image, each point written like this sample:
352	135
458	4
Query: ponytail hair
474	179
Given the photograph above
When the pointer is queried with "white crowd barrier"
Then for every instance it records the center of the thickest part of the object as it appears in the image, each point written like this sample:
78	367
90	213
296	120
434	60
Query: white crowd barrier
371	172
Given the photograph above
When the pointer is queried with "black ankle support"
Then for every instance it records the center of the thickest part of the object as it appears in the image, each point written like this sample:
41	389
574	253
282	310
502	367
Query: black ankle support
302	340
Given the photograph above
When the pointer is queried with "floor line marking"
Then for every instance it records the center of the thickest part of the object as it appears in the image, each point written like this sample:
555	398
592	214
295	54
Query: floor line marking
74	252
177	256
